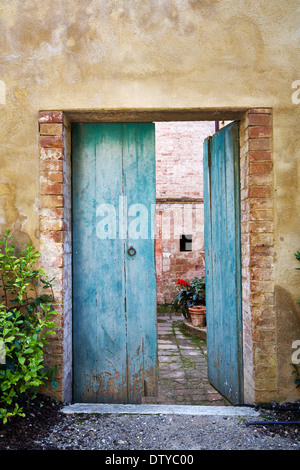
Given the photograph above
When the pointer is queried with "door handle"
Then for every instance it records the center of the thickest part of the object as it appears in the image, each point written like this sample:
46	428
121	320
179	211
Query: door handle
131	251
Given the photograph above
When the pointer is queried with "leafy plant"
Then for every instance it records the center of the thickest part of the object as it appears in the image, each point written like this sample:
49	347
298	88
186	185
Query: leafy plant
297	374
190	294
26	320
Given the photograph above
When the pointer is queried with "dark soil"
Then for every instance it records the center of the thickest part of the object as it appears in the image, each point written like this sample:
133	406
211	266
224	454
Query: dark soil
22	433
279	420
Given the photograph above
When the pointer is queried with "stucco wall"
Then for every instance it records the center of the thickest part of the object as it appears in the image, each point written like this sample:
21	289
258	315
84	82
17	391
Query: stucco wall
103	54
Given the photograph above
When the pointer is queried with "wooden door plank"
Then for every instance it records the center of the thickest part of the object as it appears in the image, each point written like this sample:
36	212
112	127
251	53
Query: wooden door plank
211	295
111	372
84	293
233	162
223	262
139	187
98	320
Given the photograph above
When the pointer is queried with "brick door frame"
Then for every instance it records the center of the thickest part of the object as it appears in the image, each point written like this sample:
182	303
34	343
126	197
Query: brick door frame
257	236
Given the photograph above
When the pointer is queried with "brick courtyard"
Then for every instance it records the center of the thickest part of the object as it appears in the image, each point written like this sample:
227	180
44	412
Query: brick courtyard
182	366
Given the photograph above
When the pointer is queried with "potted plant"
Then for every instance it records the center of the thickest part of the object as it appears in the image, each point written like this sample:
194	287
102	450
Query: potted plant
191	300
197	315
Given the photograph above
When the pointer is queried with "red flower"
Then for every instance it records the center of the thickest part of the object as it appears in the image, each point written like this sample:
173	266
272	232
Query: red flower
182	282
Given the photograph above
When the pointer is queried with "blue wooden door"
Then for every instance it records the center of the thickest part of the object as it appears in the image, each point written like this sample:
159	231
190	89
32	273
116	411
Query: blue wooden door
223	262
114	283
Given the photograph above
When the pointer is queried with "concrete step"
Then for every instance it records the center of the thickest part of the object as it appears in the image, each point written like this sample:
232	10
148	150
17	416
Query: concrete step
99	408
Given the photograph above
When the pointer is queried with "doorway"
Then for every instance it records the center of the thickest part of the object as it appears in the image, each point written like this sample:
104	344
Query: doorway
114	314
257	233
182	208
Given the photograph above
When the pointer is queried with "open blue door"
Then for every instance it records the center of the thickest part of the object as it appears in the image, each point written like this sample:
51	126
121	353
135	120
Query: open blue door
223	262
114	283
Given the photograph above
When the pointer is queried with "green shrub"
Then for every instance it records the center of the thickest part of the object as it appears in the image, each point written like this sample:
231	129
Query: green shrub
26	320
190	294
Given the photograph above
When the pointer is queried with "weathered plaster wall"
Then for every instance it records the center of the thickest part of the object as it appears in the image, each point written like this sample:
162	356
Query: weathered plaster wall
99	54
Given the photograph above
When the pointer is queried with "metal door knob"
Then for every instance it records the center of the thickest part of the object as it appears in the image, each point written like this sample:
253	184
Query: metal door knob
131	251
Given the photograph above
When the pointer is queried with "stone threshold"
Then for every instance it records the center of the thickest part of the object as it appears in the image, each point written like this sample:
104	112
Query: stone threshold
100	408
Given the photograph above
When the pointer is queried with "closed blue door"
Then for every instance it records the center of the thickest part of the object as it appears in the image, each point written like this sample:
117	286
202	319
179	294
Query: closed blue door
114	283
223	262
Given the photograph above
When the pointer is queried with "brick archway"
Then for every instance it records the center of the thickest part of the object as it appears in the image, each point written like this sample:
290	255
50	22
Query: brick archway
257	225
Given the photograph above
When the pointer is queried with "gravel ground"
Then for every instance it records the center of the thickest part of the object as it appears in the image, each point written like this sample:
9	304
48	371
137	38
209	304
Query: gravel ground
165	432
45	427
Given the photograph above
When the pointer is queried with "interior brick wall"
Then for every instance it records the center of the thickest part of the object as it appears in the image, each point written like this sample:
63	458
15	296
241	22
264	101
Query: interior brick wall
179	192
179	172
172	264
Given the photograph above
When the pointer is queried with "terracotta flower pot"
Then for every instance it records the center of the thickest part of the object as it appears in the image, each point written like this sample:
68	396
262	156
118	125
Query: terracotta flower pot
188	315
198	316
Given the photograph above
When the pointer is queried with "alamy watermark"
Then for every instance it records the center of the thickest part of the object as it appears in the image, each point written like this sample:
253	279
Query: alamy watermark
296	94
2	352
296	354
138	221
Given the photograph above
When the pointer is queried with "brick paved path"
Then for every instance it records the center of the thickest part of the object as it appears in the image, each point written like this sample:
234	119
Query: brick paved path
182	367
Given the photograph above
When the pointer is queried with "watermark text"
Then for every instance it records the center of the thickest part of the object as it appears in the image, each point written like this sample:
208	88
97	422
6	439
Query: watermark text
296	353
296	94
